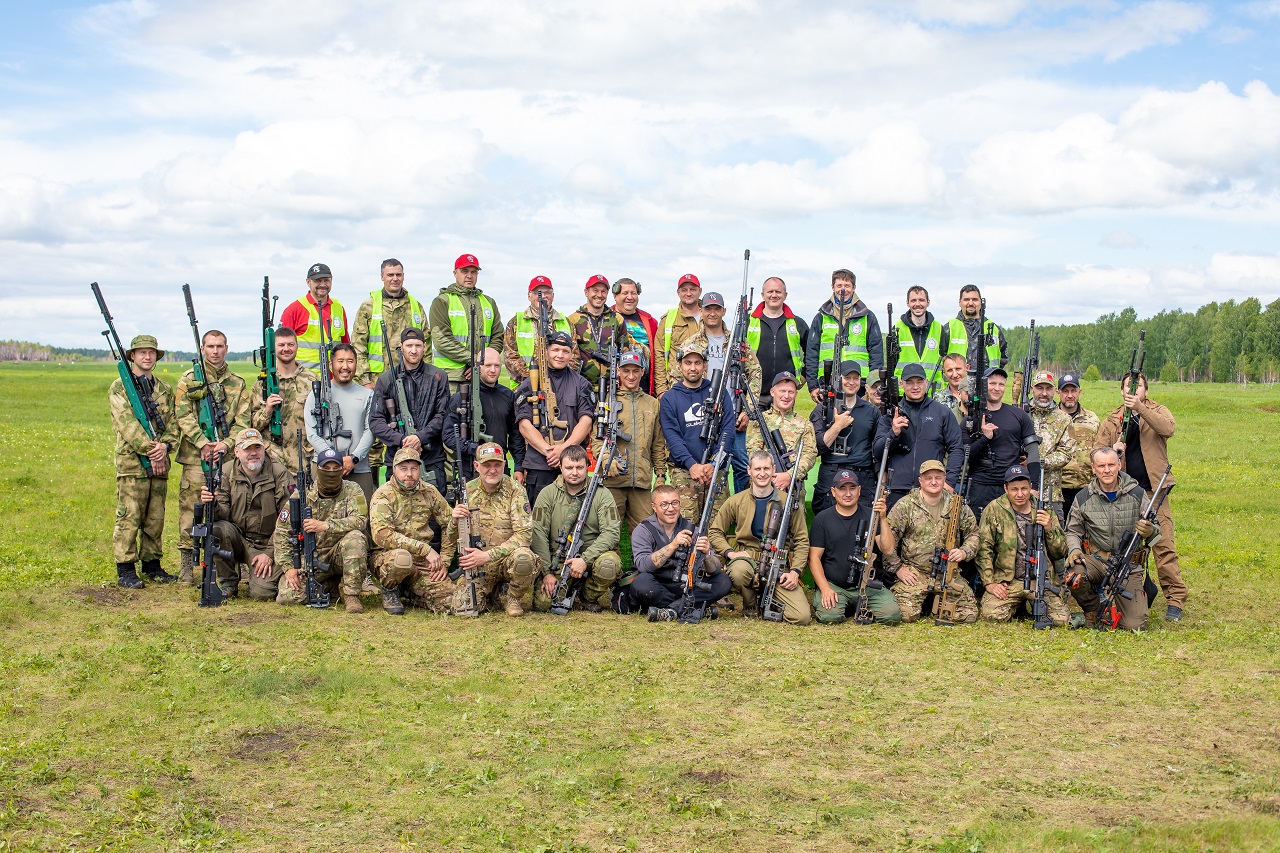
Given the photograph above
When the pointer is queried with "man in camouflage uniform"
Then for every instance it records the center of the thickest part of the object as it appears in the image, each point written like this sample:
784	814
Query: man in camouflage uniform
554	514
641	457
782	416
918	523
1003	539
1083	430
141	493
501	521
675	329
375	332
339	519
254	491
1057	447
955	394
194	448
681	412
400	517
596	328
295	385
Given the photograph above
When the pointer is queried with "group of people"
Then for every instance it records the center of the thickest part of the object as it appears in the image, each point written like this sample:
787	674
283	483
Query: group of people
406	499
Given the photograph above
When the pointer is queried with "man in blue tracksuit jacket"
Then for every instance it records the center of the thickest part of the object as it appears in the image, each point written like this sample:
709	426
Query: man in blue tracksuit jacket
681	412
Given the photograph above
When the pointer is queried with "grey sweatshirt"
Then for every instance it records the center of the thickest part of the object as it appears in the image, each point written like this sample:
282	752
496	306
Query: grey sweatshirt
352	402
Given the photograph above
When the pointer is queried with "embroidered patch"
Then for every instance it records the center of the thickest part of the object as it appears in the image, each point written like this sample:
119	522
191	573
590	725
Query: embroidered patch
284	514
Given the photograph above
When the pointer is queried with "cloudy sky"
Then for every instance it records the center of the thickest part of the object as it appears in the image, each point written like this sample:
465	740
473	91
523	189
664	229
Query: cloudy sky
1071	158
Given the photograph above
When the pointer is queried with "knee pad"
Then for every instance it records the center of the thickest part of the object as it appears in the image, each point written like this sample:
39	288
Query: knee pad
523	564
401	559
607	567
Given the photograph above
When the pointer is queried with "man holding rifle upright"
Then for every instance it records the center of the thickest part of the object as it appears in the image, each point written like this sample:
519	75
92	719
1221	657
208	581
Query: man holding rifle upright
596	328
295	384
683	412
410	401
524	328
963	335
557	416
316	318
846	317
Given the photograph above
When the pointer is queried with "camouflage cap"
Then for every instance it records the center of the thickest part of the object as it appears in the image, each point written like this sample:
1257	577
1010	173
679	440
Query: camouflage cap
406	454
932	465
1044	377
692	348
490	451
249	438
143	342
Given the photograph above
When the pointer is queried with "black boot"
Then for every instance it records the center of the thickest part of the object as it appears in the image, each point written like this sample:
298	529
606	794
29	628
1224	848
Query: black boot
155	574
127	576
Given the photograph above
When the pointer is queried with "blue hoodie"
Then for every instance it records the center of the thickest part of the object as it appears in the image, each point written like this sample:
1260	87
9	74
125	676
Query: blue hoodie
681	414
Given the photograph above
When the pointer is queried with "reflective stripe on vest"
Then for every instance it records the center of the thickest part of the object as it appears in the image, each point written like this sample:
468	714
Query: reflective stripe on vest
460	328
908	355
376	362
793	341
526	334
309	341
960	341
855	350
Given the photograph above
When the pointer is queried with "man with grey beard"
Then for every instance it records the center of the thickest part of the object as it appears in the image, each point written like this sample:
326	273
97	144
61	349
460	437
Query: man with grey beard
253	492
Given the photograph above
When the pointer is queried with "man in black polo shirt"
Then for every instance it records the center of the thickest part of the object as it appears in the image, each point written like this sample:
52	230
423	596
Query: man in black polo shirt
835	548
846	444
1007	435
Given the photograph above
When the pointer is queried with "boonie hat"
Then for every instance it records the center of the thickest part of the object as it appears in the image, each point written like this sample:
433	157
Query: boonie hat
1044	377
932	465
1068	380
144	342
318	271
329	455
1017	472
490	451
465	261
912	371
713	298
845	477
250	437
406	454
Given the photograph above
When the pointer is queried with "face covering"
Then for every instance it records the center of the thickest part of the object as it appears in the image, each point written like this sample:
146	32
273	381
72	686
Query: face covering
329	483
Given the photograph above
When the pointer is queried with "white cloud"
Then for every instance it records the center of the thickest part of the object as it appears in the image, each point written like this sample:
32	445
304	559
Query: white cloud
1121	240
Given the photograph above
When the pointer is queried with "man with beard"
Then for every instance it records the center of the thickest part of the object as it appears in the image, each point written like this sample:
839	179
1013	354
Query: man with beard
295	385
426	391
1053	426
964	337
919	430
575	405
349	406
642	458
316	318
403	517
595	329
253	492
339	519
655	549
844	310
682	412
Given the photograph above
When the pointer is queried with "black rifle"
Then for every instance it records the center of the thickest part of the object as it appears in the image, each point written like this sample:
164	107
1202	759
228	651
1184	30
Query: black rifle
773	552
470	605
398	403
864	566
1029	368
1036	568
978	397
265	358
891	393
137	388
305	561
774	444
206	546
328	418
472	431
1135	370
1122	560
693	561
569	543
833	370
722	378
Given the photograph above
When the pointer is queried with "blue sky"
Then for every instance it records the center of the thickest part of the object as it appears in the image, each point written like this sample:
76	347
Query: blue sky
1071	158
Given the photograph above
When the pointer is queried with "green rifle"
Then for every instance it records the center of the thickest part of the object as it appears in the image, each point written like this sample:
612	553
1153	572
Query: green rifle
136	388
266	361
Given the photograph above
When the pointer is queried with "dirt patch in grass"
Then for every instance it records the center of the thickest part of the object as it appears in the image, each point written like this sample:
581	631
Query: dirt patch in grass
1269	407
708	777
272	744
106	596
251	617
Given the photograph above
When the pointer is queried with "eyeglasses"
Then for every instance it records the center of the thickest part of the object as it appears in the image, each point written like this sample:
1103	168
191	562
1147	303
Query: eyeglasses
668	504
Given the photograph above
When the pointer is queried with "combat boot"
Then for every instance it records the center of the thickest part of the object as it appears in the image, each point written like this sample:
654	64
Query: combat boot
127	576
154	572
391	601
352	603
662	614
1091	620
185	574
513	606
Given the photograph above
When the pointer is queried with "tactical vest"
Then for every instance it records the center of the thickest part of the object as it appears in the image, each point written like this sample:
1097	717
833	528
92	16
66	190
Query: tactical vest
907	355
960	340
793	341
460	328
416	319
309	341
855	350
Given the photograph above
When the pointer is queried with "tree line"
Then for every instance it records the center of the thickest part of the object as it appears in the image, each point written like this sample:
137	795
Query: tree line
1218	342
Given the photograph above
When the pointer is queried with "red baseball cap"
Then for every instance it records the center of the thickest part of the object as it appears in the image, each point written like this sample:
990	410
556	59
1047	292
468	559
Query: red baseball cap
594	280
540	281
690	278
466	261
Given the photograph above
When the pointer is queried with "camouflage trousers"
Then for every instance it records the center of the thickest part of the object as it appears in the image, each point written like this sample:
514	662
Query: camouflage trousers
881	602
795	602
139	518
398	566
348	563
995	610
693	495
242	550
596	585
634	504
911	598
1133	611
189	486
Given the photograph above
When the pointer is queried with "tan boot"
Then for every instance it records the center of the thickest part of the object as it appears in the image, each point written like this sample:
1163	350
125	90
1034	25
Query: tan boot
184	569
352	603
1091	619
513	606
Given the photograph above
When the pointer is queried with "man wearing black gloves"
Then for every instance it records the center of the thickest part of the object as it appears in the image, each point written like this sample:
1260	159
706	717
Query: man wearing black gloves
1007	435
426	391
920	429
846	444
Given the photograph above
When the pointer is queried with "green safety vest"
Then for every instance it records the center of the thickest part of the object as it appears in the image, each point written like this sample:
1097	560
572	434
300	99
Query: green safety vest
309	341
907	353
960	341
459	327
793	340
855	350
376	362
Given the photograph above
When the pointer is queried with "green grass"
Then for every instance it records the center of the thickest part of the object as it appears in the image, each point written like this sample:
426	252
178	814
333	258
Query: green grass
135	721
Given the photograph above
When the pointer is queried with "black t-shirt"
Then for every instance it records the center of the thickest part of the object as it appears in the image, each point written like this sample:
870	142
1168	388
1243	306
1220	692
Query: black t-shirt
1134	465
990	460
757	520
840	537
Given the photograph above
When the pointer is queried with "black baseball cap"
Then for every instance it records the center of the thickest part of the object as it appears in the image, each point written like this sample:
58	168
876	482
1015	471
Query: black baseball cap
992	371
561	338
845	477
413	334
912	371
318	271
1016	472
1068	380
847	367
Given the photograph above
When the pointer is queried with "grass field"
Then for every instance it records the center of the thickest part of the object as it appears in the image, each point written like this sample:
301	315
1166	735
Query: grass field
135	721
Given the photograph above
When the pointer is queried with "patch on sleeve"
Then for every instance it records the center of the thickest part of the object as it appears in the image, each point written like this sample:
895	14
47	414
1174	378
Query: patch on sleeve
527	509
284	514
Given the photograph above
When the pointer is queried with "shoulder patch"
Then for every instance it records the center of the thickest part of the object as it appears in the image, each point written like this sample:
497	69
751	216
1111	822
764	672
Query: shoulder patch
284	514
527	509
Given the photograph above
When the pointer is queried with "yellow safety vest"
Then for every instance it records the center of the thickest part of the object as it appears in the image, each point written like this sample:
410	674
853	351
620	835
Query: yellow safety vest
460	327
309	341
417	319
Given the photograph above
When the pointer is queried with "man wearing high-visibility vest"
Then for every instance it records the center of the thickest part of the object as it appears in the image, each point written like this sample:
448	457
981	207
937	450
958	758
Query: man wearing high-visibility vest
676	327
309	313
921	337
864	344
522	331
382	318
777	336
450	321
964	337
